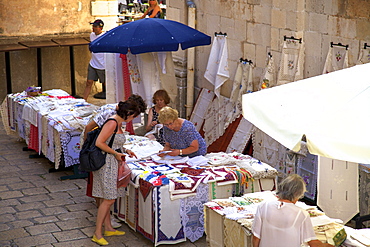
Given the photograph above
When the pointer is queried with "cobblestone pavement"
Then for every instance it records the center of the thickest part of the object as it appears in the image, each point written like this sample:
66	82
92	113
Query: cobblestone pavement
39	209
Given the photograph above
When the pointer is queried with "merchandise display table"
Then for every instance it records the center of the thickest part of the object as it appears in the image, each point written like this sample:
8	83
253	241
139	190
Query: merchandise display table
50	124
164	201
228	222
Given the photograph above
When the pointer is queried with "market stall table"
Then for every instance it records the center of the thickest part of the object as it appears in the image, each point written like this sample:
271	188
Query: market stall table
164	201
50	123
228	222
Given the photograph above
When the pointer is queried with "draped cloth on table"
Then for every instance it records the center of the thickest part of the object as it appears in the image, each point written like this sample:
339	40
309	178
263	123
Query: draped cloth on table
217	71
6	116
336	59
33	142
167	218
338	196
268	78
235	235
127	207
192	214
291	63
364	56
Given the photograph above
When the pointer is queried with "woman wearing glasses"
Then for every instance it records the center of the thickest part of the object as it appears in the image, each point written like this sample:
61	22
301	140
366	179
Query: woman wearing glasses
180	135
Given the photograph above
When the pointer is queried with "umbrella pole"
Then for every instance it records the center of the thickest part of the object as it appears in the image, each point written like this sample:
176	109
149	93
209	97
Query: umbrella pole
190	66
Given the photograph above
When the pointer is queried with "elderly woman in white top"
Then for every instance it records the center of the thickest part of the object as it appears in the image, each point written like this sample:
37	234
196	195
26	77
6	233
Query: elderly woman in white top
281	223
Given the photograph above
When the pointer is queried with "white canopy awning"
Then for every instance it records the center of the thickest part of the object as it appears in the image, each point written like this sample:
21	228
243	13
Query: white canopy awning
331	110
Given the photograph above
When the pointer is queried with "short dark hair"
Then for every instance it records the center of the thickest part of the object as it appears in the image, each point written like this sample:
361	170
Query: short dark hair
127	108
139	101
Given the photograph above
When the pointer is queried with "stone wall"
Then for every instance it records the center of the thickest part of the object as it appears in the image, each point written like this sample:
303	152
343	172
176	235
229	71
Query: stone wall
45	20
42	17
256	27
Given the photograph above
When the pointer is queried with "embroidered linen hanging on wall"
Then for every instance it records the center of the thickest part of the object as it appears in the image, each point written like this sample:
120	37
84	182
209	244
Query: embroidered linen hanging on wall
243	83
241	136
223	111
336	59
291	63
215	117
204	100
268	78
364	56
217	71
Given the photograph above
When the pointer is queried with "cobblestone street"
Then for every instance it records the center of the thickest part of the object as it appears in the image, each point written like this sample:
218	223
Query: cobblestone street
39	209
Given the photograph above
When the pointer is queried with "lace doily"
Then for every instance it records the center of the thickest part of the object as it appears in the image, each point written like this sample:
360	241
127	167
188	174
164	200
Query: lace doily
192	214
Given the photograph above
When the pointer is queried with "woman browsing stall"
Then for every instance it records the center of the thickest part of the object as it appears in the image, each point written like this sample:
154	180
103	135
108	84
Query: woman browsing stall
105	179
281	223
180	135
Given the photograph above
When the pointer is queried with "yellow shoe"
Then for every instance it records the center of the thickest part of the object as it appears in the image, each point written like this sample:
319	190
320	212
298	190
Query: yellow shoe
115	233
101	241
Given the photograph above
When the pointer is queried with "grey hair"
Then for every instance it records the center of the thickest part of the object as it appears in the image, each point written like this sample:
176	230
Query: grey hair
291	188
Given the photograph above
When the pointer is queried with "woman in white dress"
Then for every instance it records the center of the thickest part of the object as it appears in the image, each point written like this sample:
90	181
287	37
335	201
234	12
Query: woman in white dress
281	223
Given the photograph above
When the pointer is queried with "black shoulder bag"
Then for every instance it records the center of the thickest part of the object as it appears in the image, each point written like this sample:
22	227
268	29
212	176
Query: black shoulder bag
91	157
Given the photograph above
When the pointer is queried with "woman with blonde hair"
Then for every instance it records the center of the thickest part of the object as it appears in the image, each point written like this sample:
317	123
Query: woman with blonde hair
153	11
180	135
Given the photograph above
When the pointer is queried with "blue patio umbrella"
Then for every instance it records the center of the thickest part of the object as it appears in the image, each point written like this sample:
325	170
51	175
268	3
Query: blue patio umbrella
149	35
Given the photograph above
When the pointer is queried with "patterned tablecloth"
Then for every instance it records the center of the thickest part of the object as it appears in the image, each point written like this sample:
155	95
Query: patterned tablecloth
50	123
175	191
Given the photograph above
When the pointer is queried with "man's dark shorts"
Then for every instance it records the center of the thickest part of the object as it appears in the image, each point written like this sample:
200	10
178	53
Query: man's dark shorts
95	74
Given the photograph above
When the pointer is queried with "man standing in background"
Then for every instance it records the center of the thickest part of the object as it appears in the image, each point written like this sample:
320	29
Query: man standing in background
96	68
